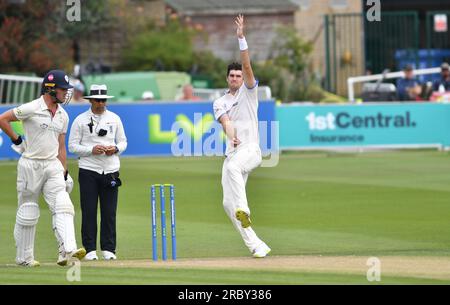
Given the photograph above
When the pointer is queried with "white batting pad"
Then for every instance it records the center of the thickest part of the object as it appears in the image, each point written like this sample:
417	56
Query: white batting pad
63	204
58	238
25	230
63	222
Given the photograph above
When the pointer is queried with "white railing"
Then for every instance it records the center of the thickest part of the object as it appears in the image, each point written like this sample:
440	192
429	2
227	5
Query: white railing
16	89
367	78
208	94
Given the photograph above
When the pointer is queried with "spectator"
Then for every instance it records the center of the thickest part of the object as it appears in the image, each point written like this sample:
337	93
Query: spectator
188	94
148	96
408	87
445	79
78	92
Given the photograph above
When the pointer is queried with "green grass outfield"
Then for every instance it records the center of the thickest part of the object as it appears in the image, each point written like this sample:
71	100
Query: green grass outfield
322	213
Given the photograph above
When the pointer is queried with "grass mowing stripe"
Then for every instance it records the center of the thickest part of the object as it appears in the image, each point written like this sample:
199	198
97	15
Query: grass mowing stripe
330	204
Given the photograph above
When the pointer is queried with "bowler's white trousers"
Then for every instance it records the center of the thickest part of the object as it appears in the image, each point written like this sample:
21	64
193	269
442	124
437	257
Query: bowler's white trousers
33	178
235	170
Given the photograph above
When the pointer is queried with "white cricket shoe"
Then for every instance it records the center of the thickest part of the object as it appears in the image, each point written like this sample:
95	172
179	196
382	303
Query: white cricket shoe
65	257
108	255
261	251
91	256
31	264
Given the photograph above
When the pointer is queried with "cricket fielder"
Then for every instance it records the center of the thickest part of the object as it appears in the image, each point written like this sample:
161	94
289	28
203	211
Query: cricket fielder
237	111
42	169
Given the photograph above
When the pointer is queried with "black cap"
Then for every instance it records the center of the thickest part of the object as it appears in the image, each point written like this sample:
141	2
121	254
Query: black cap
56	79
408	67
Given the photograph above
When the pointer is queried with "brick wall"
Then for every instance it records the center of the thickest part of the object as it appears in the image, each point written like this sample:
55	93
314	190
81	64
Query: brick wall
221	34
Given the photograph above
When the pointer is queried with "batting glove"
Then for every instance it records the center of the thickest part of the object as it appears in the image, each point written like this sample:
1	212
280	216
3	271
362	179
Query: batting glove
69	182
18	145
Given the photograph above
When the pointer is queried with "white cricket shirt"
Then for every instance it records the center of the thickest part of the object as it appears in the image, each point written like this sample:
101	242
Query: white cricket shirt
83	138
41	130
242	109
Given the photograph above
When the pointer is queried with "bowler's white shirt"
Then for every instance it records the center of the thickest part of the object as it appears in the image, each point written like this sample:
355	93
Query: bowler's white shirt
242	109
82	140
41	130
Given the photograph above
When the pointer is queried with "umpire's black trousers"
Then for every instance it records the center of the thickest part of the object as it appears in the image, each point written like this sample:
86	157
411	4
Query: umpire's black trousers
95	186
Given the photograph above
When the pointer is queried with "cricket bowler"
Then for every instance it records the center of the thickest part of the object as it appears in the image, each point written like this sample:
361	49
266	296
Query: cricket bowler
237	111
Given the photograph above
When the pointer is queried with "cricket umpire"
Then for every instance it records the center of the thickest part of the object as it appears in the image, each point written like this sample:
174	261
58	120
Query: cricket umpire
97	136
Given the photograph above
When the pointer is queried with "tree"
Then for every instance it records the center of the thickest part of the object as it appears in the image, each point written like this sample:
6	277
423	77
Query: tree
205	63
167	47
36	36
289	51
24	38
95	16
170	47
290	60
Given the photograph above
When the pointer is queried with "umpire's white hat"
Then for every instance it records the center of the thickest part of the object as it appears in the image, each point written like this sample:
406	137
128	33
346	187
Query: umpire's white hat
98	92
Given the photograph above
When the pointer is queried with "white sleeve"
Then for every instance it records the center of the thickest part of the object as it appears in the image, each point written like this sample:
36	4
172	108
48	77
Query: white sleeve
66	124
25	111
219	109
75	139
254	86
121	139
252	93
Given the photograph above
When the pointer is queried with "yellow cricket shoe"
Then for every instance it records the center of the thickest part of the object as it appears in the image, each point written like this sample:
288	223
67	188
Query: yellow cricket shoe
80	253
64	258
243	217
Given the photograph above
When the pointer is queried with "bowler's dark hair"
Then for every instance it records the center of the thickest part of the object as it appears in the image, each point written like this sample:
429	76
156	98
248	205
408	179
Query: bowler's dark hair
234	66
